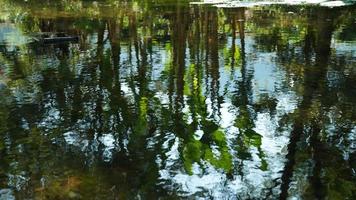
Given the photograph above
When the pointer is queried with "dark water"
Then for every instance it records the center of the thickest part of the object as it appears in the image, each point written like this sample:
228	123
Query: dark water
165	100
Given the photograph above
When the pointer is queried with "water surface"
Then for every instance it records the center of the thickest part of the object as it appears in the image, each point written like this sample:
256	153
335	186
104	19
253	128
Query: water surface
166	100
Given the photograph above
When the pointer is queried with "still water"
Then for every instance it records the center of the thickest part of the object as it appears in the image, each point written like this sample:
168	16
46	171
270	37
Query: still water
166	100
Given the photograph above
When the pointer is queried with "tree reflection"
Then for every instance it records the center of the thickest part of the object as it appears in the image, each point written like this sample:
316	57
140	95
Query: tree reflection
150	99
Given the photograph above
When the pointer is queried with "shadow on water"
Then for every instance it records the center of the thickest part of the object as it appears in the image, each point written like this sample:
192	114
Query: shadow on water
166	100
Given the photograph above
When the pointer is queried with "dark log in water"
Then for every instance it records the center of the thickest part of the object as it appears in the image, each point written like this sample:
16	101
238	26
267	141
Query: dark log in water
60	39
